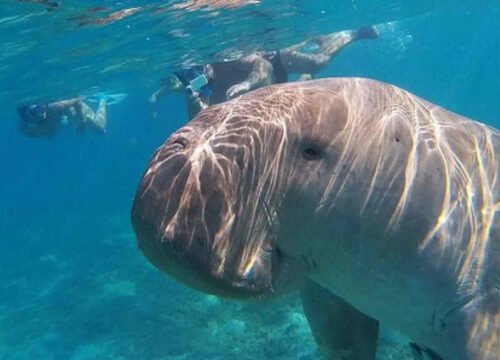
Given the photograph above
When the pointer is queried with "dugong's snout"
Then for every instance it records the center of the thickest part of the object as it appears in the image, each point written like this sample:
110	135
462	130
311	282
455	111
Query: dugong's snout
184	216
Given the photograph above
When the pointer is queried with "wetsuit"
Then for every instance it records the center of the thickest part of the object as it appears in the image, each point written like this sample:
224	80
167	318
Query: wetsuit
280	74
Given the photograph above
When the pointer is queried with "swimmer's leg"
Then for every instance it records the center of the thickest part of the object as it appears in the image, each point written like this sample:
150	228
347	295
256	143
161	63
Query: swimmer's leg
331	44
341	331
297	61
100	117
87	116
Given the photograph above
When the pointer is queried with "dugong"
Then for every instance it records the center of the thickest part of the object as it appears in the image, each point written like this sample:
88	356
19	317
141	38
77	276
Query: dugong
377	205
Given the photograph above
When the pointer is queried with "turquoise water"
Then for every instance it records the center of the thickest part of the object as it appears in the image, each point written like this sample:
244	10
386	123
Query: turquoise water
72	283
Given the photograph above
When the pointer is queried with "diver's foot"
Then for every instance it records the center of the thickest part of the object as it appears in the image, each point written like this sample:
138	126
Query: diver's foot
367	32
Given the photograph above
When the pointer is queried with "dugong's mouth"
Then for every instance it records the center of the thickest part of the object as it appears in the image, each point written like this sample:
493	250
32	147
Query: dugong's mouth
282	277
273	273
192	258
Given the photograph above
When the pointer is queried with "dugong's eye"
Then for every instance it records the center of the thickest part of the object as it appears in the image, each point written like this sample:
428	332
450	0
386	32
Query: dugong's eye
311	151
178	144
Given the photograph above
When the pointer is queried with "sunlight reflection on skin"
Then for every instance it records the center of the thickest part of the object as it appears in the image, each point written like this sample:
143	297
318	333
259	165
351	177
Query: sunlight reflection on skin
404	143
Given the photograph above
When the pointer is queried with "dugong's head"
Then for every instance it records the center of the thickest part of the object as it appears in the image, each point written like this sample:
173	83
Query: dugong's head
223	200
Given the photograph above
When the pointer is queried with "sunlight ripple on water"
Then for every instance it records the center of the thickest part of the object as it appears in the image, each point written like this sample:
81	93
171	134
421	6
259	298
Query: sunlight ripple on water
91	42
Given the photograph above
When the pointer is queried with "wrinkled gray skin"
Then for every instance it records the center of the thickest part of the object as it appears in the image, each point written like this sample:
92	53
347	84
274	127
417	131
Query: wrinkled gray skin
377	205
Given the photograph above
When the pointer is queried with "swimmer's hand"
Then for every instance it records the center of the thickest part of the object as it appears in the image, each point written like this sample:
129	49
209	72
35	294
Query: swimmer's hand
197	102
305	77
173	84
237	90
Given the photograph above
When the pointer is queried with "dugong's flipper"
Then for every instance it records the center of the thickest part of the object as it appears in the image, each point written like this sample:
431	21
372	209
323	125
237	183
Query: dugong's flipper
341	331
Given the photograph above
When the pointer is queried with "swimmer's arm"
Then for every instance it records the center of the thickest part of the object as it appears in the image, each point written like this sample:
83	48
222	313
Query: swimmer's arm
173	85
153	99
72	109
194	105
64	105
260	75
202	104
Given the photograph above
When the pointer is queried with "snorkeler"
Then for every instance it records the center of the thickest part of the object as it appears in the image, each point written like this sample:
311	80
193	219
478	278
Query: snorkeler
48	4
110	18
193	5
46	119
217	82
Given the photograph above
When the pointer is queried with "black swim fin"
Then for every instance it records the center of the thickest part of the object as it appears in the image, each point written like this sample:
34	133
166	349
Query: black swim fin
367	32
420	353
